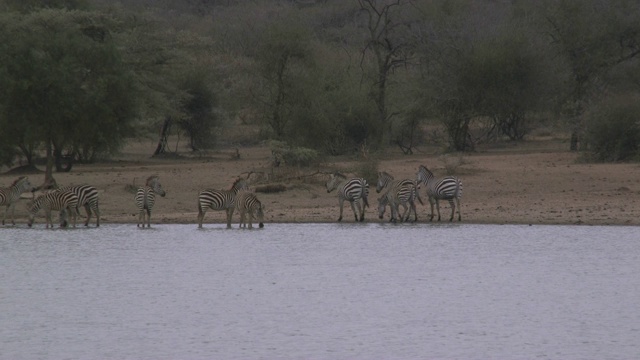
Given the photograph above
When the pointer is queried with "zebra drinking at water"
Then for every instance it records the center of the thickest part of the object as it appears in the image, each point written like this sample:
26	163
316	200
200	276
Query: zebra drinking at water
9	196
63	201
399	193
146	197
87	197
248	203
353	190
220	200
448	188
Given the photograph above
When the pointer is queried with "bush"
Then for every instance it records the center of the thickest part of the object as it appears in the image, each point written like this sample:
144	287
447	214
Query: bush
293	156
613	130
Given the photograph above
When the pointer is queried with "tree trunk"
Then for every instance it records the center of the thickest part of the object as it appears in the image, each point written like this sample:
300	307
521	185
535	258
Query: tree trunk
164	134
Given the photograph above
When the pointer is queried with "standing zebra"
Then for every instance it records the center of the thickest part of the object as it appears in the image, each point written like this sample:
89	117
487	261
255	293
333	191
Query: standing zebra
146	197
248	203
63	201
448	188
9	196
399	193
220	200
87	197
352	190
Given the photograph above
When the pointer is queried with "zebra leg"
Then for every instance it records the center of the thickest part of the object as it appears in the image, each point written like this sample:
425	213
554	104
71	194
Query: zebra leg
75	215
353	207
5	214
457	200
431	201
47	215
341	208
148	218
87	209
453	209
250	219
97	211
438	208
13	213
242	215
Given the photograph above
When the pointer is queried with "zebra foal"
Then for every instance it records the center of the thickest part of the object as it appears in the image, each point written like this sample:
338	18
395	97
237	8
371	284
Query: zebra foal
448	188
146	197
63	201
87	197
9	196
248	204
220	200
354	191
397	192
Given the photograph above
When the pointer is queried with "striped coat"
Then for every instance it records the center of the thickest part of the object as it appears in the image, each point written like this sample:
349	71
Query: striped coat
248	204
87	197
145	199
63	201
10	196
448	188
355	191
220	200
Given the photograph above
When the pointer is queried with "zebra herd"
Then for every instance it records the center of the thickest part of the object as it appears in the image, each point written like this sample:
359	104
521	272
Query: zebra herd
394	193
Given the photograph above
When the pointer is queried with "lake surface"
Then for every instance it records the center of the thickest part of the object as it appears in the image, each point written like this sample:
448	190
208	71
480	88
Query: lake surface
320	291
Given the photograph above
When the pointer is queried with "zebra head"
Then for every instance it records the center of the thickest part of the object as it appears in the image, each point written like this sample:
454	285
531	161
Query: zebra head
239	184
22	184
335	179
423	175
383	179
154	183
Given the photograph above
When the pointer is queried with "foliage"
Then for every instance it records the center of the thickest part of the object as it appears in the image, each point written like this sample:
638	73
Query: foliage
293	156
199	118
63	82
613	130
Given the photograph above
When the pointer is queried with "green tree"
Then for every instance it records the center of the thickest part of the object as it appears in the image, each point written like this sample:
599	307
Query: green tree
63	83
200	117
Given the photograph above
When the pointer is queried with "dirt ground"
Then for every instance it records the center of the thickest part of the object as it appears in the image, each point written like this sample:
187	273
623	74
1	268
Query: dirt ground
536	182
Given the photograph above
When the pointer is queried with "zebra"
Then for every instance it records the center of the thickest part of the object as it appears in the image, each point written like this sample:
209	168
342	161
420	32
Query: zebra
146	197
248	203
55	200
386	181
220	200
353	190
397	193
448	188
9	196
87	197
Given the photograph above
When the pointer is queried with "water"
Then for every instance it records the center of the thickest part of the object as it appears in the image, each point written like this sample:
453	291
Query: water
320	291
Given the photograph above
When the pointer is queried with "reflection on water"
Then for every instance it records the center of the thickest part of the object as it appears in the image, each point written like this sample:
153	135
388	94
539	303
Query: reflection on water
321	291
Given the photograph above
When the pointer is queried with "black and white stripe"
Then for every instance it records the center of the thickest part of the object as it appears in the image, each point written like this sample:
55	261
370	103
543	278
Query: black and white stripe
146	197
354	191
396	193
448	188
220	200
63	201
248	204
9	196
87	197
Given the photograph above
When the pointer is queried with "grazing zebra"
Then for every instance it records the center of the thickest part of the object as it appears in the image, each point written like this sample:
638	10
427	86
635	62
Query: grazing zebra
398	193
87	197
352	190
248	203
63	201
9	196
220	200
146	197
448	188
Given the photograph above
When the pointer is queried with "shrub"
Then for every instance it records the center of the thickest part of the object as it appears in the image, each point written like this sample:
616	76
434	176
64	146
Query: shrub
613	130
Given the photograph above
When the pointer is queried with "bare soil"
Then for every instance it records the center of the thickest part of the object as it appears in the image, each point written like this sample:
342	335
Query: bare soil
537	182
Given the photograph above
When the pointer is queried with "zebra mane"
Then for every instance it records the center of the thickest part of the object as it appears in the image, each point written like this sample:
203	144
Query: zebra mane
425	169
151	178
384	173
16	181
235	183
